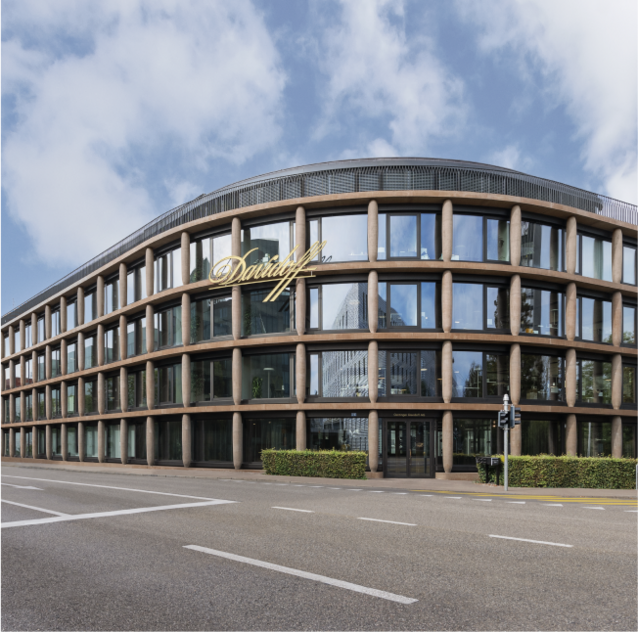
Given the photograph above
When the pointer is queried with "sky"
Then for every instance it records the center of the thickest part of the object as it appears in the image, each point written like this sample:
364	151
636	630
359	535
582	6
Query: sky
114	112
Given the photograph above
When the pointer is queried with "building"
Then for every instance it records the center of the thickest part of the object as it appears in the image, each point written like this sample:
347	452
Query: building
442	285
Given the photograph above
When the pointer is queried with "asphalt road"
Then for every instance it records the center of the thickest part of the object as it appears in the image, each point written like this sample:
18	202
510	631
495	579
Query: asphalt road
107	557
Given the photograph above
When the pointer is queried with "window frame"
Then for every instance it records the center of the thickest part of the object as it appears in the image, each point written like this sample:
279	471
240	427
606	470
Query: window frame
486	214
587	357
390	211
544	287
390	280
486	283
579	316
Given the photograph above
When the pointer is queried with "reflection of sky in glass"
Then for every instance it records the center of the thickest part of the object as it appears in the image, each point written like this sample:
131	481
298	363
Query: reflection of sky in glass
463	364
629	324
347	237
587	307
467	306
403	236
314	307
271	240
428	305
428	236
629	265
332	300
381	247
403	299
467	242
222	247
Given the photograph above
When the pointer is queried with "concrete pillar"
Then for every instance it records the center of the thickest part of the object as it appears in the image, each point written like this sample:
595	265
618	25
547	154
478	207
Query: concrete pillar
34	328
12	442
448	442
447	230
150	329
80	306
186	319
236	311
81	442
123	338
80	397
99	294
570	311
616	318
571	246
150	441
150	272
446	301
23	442
515	235
47	400
238	440
101	441
616	256
123	278
123	389
373	371
186	258
515	304
63	399
373	230
570	378
47	442
150	385
65	442
187	441
301	430
63	322
373	440
300	232
237	376
34	405
47	362
101	393
22	331
616	381
516	441
300	307
300	372
186	380
12	346
447	372
47	322
124	441
12	408
515	374
80	352
616	437
571	436
373	301
99	341
12	374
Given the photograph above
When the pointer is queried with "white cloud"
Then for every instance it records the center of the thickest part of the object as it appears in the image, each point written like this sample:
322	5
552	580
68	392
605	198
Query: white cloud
586	52
377	74
510	157
111	98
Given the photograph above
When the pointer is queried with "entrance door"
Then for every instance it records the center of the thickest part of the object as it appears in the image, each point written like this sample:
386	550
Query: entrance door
408	449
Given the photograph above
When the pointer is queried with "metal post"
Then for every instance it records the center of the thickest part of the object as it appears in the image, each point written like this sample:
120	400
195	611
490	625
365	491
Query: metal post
507	432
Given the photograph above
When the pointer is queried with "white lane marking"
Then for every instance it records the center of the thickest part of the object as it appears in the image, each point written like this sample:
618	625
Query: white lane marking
22	486
315	485
453	497
375	491
427	495
631	510
334	488
280	483
504	537
353	490
406	524
55	513
109	514
298	485
515	502
601	508
552	504
291	509
373	592
483	500
124	489
399	493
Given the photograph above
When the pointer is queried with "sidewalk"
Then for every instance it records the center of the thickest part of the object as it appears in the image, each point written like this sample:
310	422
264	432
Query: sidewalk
429	484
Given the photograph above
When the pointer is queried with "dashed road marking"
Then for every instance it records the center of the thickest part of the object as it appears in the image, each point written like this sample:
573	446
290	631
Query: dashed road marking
292	509
406	524
505	537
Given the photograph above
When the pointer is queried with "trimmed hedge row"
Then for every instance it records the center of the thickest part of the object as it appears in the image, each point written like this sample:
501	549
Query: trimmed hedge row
322	463
565	471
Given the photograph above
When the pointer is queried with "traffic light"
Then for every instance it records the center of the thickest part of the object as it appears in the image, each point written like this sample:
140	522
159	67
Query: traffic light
515	416
503	419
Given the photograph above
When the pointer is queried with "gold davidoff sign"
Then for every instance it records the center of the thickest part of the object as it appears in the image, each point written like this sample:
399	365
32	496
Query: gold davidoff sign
224	274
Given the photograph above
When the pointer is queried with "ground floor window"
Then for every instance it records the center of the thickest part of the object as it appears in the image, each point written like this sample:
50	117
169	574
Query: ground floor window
594	438
213	440
16	443
339	433
262	434
113	441
72	441
56	441
629	441
28	443
168	440
136	448
5	444
472	438
90	441
41	442
542	436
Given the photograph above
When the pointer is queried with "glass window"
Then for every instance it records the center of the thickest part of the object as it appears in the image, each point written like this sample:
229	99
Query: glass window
28	336
41	331
205	253
28	371
628	441
595	438
71	315
211	379
403	236
271	240
5	345
629	265
55	327
6	376
467	380
111	296
90	396
467	241
542	377
17	370
498	240
42	410
541	436
168	440
90	307
28	442
168	384
346	237
56	402
594	380
213	440
628	384
71	357
41	367
90	352
497	374
112	345
211	318
542	246
136	389
267	376
136	285
628	325
72	441
56	441
339	306
595	257
259	317
90	441
71	399
113	393
339	373
56	366
136	337
467	306
264	434
472	438
28	407
595	316
542	312
399	305
136	441
17	406
339	433
113	441
168	327
168	270
497	314
410	373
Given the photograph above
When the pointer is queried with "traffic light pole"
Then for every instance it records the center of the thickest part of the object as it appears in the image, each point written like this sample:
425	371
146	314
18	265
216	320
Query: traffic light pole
506	407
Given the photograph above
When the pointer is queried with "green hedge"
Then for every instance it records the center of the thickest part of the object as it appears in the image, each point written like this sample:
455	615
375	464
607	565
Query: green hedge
323	463
566	471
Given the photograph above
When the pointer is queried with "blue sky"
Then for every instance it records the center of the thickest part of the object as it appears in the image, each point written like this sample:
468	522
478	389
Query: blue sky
116	111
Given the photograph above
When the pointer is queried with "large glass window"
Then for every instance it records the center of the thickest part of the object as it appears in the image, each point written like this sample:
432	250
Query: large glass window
211	317
338	373
594	438
542	377
90	441
136	447
90	352
136	389
168	270
628	384
136	284
211	379
17	371
266	242
168	440
346	237
542	312
72	441
56	441
90	307
477	238
113	393
28	371
28	336
56	364
56	402
628	325
479	374
410	373
17	406
594	382
41	403
71	315
595	319
90	397
629	265
41	367
263	434
55	327
409	236
542	246
594	257
472	438
213	441
267	376
409	305
168	327
628	441
467	306
339	433
72	399
338	306
168	384
41	331
112	345
28	407
541	436
71	357
136	337
111	295
113	441
259	317
205	253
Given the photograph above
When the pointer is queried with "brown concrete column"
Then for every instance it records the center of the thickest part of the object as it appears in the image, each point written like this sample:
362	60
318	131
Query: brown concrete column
616	256
81	442
448	441
12	408
99	341
150	385
12	345
373	440
47	322
62	315
101	393
12	442
616	381
123	338
23	405
447	230
47	442
47	400
187	441
80	396
515	374
570	377
616	319
99	294
300	372
300	232
616	437
80	355
186	380
301	430
373	301
22	332
373	371
570	311
34	328
237	376
23	443
23	364
186	319
123	389
34	399
65	442
571	246
238	440
150	329
80	307
124	441
516	441
63	400
515	235
186	258
446	301
571	436
373	230
300	306
123	278
515	304
47	362
150	441
150	272
447	372
12	374
236	312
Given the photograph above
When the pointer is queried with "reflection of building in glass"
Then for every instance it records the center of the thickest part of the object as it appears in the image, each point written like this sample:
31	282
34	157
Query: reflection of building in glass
353	312
339	433
345	373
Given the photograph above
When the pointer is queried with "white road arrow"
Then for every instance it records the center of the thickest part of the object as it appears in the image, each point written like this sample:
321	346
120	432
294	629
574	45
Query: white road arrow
22	486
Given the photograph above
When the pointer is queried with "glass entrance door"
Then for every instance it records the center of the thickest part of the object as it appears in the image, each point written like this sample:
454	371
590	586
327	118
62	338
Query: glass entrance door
408	449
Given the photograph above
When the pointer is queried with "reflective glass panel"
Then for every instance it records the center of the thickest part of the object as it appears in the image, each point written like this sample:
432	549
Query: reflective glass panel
263	434
347	237
313	308
168	440
403	307
430	312
430	236
497	378
339	433
313	382
267	242
113	441
270	317
595	258
343	306
541	436
137	441
467	242
430	371
595	438
266	376
541	377
596	320
381	251
498	240
72	440
498	308
344	373
467	306
541	246
628	325
629	265
628	441
71	316
403	235
595	382
403	373
542	312
90	439
472	438
467	374
629	385
213	440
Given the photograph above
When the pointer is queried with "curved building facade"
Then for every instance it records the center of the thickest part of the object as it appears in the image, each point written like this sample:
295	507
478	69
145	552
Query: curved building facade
384	305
